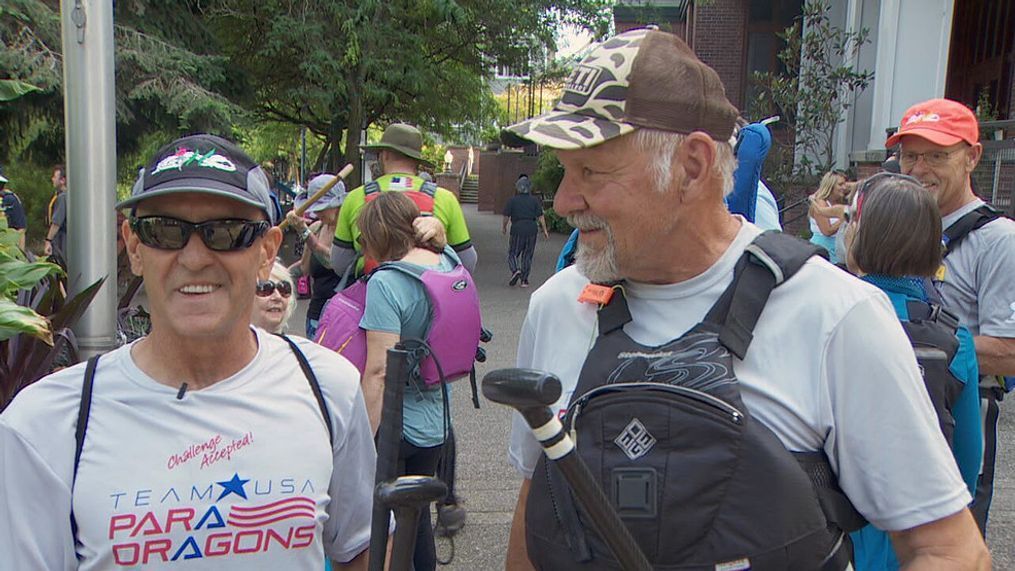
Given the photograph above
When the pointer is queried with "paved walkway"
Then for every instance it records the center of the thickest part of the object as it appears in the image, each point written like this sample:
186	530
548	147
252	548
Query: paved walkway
490	486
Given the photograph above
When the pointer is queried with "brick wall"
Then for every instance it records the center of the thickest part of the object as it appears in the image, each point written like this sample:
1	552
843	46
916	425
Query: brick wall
500	171
448	181
719	42
460	156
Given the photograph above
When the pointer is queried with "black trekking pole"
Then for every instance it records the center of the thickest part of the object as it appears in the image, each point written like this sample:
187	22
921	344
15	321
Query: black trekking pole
389	438
407	496
531	393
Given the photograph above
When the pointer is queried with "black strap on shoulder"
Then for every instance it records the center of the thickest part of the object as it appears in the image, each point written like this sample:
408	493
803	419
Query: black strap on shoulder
615	314
314	385
372	187
428	188
957	232
925	311
768	261
84	409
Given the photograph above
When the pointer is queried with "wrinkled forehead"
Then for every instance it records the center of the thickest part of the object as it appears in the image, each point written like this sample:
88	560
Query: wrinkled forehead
918	144
196	207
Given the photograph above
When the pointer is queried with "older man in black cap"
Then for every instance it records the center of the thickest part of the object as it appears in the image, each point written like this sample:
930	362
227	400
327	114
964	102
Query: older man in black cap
209	438
697	353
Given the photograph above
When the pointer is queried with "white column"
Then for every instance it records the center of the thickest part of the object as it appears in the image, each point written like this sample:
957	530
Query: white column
844	131
90	120
912	61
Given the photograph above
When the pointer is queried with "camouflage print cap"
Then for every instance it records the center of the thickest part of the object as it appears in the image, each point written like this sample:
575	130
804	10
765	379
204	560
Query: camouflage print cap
643	78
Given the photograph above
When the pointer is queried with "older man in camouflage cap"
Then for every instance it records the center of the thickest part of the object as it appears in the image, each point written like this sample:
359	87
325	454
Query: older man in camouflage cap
644	132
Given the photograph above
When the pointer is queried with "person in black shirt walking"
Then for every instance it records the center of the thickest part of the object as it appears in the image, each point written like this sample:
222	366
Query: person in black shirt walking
523	211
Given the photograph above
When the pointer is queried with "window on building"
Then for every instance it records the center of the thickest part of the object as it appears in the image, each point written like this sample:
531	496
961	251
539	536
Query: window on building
766	20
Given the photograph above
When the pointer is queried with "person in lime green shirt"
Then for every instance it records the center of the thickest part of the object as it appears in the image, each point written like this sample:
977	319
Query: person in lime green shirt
400	153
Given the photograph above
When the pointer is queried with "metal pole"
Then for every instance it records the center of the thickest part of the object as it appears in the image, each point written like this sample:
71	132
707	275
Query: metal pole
998	135
90	119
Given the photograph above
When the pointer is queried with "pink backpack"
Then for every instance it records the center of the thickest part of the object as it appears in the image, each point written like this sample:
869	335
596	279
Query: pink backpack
455	324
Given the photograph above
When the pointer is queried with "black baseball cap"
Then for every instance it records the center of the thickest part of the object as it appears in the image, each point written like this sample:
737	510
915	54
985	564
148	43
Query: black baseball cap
204	164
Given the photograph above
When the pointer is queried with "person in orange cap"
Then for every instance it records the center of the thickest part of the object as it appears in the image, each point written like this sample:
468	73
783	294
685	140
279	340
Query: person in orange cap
940	147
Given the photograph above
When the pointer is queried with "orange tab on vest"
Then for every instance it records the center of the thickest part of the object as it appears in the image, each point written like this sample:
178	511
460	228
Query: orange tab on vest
597	294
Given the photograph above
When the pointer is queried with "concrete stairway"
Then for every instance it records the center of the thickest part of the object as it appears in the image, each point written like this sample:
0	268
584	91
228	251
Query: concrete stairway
470	190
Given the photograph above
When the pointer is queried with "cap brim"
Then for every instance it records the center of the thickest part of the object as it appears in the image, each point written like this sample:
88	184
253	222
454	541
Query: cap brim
936	137
199	186
407	152
569	131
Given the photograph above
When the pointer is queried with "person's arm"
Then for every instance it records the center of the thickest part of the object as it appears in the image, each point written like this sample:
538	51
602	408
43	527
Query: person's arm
469	258
378	343
517	551
996	355
542	224
952	542
50	235
359	563
34	491
504	224
825	225
829	210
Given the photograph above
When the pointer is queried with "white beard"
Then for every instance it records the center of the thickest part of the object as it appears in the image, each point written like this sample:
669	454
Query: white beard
599	266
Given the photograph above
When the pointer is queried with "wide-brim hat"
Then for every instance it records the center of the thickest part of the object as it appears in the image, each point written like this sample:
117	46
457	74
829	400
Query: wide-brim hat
642	78
204	164
404	139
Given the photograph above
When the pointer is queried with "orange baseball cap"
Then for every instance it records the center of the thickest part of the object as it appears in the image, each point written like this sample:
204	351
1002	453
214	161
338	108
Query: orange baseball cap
941	121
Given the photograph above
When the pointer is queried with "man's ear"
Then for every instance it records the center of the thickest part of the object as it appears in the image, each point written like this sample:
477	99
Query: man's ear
696	157
973	155
133	247
269	250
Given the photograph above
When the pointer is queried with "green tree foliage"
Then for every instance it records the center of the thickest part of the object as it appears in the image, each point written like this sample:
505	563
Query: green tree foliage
817	85
169	76
332	64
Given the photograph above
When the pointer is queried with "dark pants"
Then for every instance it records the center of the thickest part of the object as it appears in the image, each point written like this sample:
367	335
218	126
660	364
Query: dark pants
520	254
416	461
985	486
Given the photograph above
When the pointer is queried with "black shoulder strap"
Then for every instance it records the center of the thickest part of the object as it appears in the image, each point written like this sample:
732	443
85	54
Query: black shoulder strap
974	220
84	408
314	385
371	187
768	261
926	311
428	188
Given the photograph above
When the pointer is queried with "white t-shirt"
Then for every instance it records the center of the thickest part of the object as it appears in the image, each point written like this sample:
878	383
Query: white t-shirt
234	476
979	279
829	368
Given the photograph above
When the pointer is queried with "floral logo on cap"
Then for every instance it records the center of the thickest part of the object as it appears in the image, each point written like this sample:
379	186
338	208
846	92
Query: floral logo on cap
185	157
922	117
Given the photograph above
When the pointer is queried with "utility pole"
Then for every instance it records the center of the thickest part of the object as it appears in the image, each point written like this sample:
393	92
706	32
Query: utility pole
90	120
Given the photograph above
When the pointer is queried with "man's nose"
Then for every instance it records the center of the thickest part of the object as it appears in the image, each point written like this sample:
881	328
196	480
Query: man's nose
568	199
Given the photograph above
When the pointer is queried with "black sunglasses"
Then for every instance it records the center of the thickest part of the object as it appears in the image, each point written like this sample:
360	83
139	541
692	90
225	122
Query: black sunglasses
267	287
225	235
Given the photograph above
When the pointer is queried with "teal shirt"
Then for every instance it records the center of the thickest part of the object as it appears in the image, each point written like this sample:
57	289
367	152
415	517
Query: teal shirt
872	548
397	303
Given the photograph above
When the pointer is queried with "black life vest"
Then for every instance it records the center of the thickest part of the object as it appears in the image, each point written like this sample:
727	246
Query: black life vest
700	483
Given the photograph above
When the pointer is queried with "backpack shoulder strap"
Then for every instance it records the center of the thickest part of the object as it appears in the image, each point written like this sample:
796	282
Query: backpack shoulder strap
84	409
372	187
927	311
428	188
768	261
315	386
974	220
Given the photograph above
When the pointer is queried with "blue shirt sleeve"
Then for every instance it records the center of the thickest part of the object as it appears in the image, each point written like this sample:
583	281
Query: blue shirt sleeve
968	437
